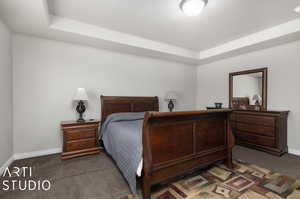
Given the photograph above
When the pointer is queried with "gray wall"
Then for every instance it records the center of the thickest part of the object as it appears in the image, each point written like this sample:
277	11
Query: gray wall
283	82
47	74
6	145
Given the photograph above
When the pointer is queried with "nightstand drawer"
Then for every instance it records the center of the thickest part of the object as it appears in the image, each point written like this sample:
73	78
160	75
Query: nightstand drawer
80	144
80	133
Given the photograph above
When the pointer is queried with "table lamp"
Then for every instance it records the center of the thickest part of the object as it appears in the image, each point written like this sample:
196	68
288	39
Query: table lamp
80	97
171	98
257	99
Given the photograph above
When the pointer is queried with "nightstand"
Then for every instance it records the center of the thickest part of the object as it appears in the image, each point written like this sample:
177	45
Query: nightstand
80	138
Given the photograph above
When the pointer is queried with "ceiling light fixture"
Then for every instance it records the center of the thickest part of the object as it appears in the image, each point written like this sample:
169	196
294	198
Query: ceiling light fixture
297	9
192	7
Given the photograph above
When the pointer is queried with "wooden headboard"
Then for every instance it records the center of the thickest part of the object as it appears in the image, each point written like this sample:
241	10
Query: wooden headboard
115	104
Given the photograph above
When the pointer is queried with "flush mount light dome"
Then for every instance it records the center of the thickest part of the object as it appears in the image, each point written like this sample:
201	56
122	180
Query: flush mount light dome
297	9
192	7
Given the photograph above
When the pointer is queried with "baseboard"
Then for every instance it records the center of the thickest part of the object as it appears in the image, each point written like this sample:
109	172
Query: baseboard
19	156
294	152
6	164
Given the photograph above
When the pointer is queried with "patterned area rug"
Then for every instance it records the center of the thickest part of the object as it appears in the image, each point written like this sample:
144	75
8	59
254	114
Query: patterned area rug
246	181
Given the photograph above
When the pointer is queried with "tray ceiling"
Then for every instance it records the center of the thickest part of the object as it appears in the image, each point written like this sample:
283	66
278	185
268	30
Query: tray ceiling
158	28
163	21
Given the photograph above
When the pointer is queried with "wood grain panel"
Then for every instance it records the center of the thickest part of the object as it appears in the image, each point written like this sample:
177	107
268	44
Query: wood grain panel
254	120
80	144
232	116
80	133
178	169
142	107
255	129
256	139
115	104
117	108
171	141
210	133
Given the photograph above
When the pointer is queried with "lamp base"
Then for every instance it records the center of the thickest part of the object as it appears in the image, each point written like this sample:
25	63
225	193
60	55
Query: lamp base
81	120
171	105
80	109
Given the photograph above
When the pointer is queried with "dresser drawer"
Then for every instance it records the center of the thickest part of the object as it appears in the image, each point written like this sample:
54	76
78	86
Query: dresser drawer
80	133
262	130
255	129
256	120
80	144
255	139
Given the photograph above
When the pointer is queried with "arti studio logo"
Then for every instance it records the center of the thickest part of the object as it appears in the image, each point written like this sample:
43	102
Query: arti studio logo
19	178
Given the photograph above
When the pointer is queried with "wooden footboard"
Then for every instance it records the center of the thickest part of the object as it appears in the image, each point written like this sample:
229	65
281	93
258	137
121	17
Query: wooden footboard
174	143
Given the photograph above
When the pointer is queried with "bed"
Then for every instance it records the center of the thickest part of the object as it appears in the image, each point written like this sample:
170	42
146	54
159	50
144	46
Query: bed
155	146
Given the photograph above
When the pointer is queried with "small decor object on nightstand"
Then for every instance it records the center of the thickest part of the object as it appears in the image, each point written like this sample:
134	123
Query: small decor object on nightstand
81	96
171	98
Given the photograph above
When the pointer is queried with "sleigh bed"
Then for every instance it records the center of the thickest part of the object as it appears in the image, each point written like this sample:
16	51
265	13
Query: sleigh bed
171	143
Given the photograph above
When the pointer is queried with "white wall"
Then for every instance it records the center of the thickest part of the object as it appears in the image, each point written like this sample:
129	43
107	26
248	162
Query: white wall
283	82
46	75
6	145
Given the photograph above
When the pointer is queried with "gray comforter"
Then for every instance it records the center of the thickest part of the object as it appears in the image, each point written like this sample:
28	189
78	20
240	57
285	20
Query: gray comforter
122	137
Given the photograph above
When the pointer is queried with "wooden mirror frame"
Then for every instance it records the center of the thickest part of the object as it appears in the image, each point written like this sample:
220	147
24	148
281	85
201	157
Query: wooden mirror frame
264	72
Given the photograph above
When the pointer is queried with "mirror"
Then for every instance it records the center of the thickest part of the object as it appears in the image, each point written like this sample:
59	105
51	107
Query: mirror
248	89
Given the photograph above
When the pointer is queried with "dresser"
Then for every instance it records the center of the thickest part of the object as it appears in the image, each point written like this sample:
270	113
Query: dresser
79	138
262	130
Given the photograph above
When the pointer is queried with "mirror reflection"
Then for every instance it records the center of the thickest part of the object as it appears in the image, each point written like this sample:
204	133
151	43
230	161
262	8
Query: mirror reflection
247	89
